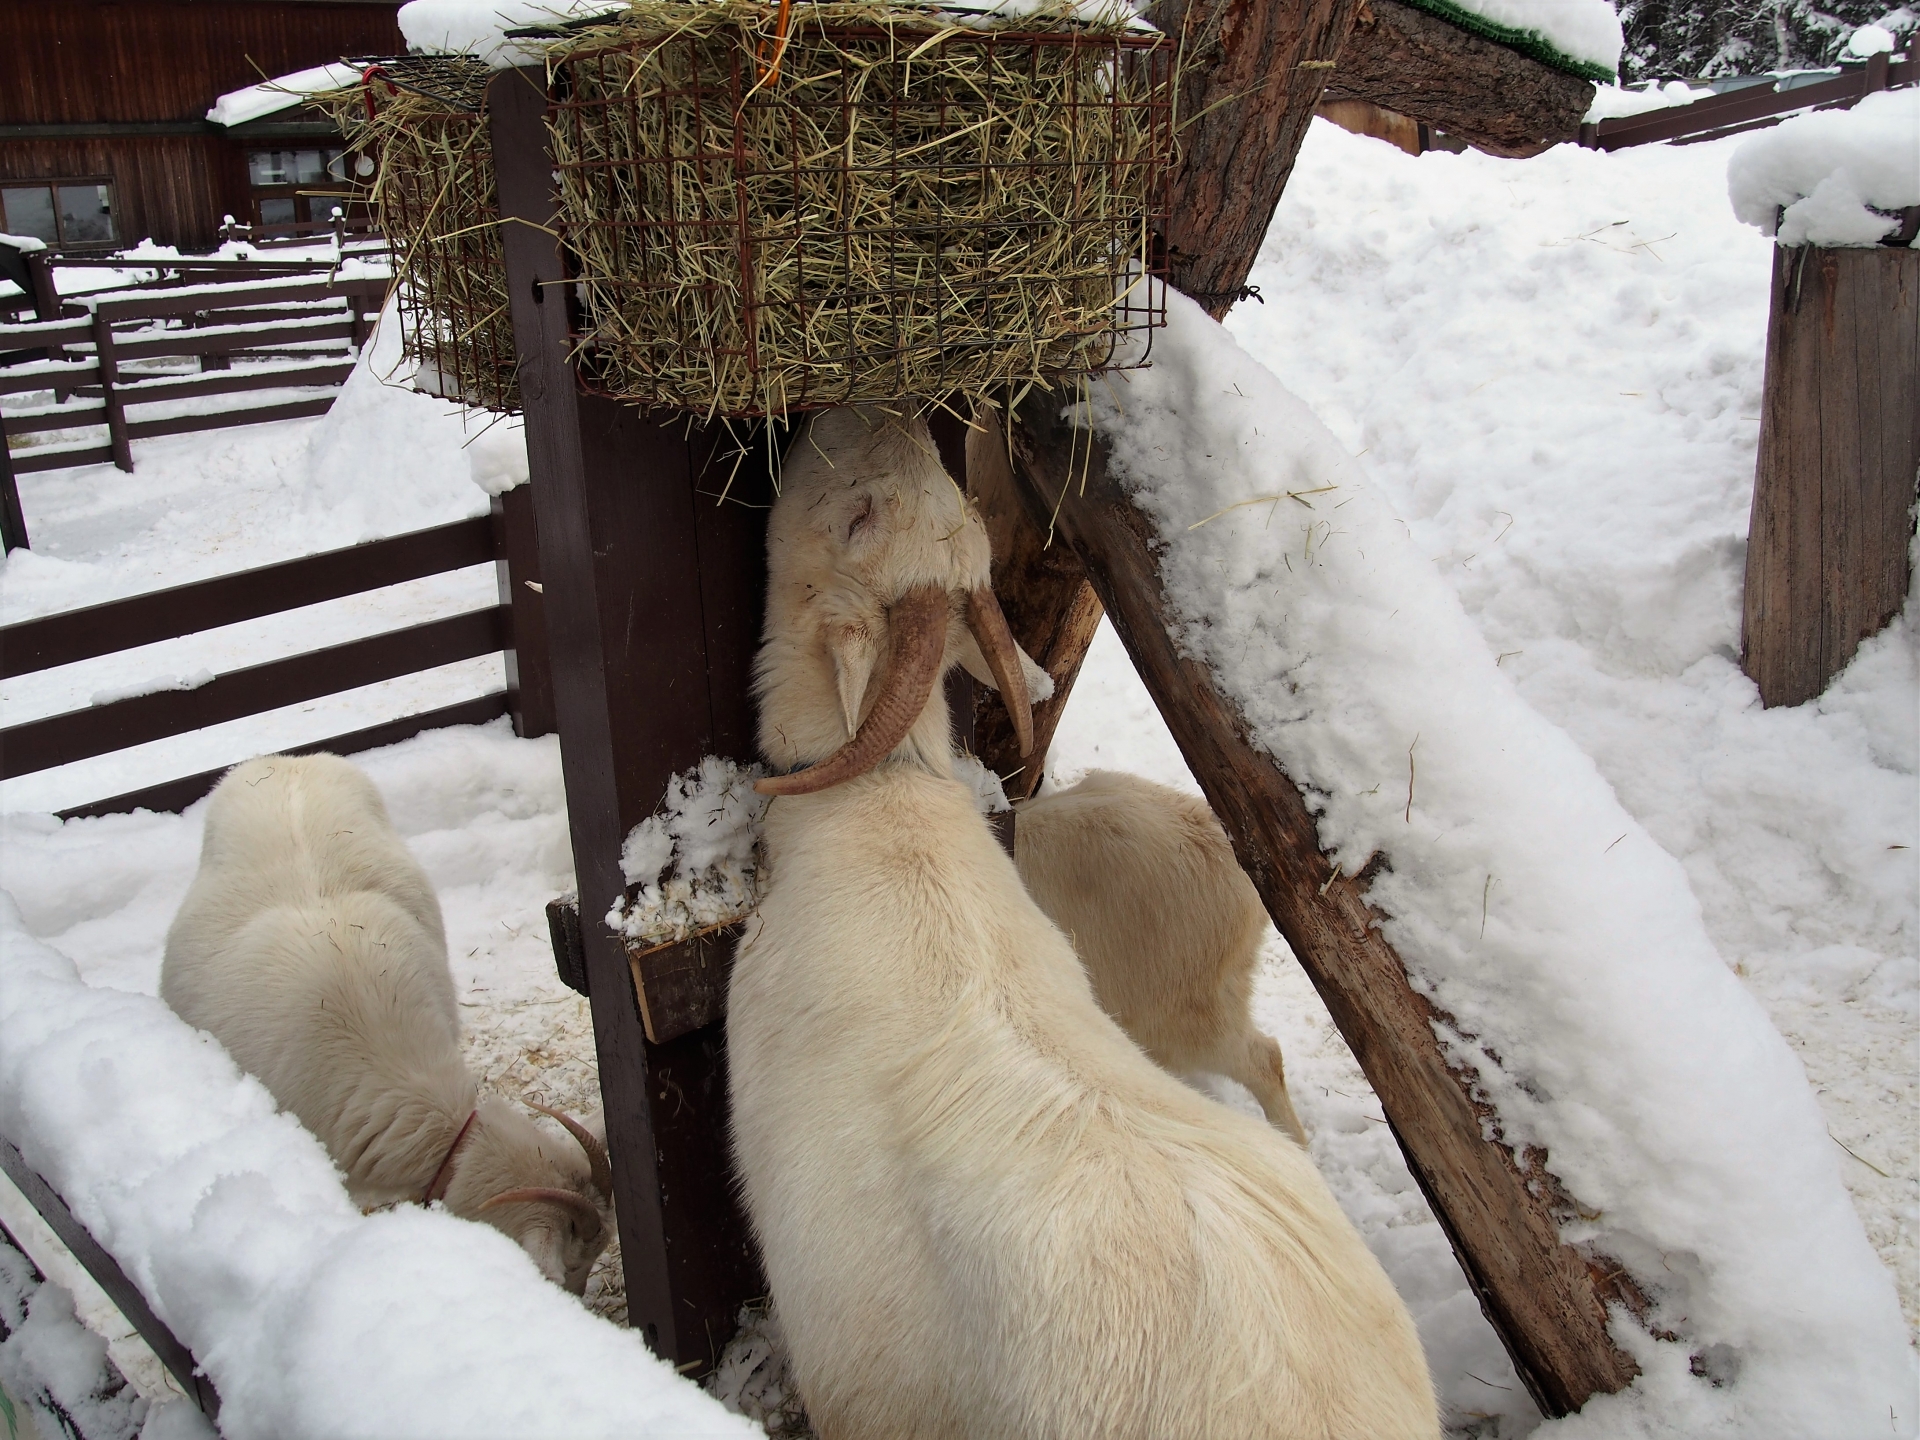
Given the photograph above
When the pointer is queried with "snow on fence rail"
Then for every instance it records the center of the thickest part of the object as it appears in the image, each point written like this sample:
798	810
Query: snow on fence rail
1750	108
117	724
295	323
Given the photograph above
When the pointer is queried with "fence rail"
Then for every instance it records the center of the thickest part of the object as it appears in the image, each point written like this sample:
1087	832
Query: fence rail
43	643
1749	109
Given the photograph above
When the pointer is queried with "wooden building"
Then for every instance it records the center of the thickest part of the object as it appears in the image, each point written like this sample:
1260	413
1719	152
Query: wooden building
104	139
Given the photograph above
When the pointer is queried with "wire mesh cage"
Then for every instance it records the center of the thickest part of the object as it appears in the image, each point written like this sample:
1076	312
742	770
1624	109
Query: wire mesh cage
862	202
423	116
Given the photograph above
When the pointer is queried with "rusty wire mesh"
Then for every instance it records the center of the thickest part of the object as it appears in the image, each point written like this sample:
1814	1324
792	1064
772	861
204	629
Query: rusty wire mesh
909	207
423	118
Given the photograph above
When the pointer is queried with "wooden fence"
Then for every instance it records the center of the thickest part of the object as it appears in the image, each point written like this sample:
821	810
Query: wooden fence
1752	108
503	538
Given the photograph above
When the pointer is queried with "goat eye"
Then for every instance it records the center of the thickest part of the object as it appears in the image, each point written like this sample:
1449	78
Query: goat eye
861	518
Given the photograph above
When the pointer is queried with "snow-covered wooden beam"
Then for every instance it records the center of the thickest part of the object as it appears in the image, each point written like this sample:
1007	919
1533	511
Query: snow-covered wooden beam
1489	95
1546	1301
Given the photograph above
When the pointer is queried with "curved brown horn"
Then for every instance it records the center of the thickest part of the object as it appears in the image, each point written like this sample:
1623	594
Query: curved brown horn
989	625
597	1161
917	633
572	1201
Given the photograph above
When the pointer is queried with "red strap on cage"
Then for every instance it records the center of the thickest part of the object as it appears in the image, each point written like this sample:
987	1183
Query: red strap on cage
771	72
366	85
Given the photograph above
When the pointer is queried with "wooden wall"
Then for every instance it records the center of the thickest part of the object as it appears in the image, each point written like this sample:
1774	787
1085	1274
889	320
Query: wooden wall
78	61
120	89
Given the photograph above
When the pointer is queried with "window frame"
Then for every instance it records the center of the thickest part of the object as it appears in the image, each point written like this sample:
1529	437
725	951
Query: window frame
53	184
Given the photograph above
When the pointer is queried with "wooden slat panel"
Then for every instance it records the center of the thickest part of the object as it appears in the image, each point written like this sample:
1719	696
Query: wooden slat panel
82	734
155	304
28	462
177	795
65	417
108	1275
13	384
35	333
227	382
227	419
1753	103
116	625
223	342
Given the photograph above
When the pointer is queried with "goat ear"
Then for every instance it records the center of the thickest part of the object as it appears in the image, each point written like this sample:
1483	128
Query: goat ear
854	652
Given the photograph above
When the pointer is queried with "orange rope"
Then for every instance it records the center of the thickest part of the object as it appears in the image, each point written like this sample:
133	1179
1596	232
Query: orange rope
770	73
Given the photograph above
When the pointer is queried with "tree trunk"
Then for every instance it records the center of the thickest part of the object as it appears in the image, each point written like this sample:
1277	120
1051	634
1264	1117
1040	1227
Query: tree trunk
1494	98
1546	1301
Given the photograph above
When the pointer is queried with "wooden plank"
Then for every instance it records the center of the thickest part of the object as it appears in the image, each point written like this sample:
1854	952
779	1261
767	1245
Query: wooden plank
66	417
223	341
516	549
73	373
1752	103
228	419
108	1275
1540	1295
1496	99
234	382
619	535
13	523
81	734
118	440
29	462
157	304
50	333
177	795
115	625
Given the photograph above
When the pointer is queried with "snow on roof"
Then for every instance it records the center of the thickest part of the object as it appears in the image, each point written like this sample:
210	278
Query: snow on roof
1837	173
269	97
1581	36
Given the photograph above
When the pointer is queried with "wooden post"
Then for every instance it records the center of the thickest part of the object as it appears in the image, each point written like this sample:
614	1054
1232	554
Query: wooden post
13	524
110	391
516	568
1544	1299
652	599
1828	546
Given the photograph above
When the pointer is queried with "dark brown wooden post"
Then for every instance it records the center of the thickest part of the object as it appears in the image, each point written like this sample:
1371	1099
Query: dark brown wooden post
1833	494
516	567
1545	1300
110	390
13	524
652	598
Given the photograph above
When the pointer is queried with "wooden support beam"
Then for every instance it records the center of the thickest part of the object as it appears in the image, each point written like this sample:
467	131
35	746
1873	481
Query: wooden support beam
1545	1300
516	567
652	604
1833	493
1492	97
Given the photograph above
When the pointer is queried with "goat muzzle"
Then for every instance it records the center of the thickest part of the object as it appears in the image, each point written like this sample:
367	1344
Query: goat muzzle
917	646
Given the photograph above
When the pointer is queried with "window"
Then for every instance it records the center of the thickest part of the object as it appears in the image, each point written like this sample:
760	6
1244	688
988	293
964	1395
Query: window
67	214
277	177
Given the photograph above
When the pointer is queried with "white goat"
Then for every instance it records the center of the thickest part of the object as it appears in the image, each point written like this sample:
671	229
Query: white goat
983	1211
1144	881
310	945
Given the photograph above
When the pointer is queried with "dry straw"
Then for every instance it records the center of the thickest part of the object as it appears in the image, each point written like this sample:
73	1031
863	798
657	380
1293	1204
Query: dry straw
906	206
422	117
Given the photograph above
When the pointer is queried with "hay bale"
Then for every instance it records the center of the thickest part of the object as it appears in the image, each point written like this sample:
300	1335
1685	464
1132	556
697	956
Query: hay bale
874	201
423	117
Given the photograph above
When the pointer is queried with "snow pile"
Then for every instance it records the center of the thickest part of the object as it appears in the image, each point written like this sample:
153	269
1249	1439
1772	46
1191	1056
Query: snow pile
1534	911
1842	175
497	456
696	860
53	1364
25	244
1582	36
1870	40
237	107
311	1319
1611	102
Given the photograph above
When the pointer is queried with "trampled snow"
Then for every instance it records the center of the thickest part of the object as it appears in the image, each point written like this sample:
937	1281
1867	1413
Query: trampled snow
1841	175
1553	369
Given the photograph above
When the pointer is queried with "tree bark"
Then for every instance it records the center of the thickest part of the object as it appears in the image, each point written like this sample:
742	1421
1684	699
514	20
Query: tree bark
1546	1300
1494	98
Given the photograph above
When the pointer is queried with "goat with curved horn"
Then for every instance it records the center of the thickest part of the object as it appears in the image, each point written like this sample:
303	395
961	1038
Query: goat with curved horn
600	1165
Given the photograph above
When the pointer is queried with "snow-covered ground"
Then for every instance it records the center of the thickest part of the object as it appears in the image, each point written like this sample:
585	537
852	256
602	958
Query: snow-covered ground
1551	367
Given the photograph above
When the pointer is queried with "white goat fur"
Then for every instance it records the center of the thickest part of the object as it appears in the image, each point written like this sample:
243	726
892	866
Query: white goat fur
1144	881
984	1212
310	945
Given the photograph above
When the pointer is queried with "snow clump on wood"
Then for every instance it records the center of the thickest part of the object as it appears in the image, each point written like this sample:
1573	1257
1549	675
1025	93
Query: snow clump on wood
1832	177
696	859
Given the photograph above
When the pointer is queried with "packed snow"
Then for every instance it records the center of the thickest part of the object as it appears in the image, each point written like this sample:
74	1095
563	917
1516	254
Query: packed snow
1550	371
1610	102
695	862
1842	176
479	27
1584	31
270	97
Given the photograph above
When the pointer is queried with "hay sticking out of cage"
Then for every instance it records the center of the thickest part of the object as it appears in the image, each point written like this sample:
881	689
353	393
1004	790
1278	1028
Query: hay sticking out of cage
437	203
913	205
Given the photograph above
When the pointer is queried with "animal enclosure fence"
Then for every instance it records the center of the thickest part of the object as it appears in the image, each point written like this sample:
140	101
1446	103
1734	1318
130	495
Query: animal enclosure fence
513	625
